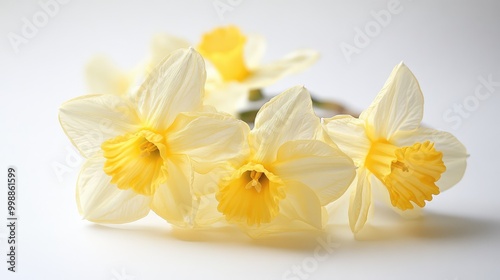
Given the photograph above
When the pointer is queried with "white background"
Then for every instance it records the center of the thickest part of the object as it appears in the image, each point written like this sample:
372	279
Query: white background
447	44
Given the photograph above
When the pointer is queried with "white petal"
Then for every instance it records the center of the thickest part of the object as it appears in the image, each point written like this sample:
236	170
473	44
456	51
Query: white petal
227	98
323	168
163	45
174	86
255	47
380	194
398	106
173	201
206	211
302	203
208	139
350	136
214	81
293	63
361	201
299	211
100	201
90	120
288	116
454	152
104	77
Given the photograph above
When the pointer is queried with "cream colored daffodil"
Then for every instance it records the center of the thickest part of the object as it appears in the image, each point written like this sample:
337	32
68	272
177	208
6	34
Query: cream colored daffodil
234	66
142	156
233	62
393	152
285	178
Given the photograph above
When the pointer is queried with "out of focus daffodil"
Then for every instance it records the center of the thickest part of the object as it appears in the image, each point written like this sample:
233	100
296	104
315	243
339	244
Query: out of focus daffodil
393	152
143	155
285	178
234	66
233	62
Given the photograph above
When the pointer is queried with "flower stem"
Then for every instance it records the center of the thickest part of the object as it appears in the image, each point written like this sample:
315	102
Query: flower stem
255	94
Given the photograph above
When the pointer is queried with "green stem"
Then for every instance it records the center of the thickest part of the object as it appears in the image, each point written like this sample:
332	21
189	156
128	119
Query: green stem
255	94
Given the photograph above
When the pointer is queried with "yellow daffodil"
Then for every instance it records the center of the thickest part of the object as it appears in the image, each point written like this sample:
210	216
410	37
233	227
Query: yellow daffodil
393	152
285	178
143	155
234	66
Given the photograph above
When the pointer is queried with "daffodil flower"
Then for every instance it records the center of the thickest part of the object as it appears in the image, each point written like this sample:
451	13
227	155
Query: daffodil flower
143	155
393	152
233	63
285	178
234	66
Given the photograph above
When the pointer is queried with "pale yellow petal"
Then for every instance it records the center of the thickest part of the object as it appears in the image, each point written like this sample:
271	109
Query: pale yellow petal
90	120
349	135
361	201
302	203
173	201
174	86
104	77
288	116
454	152
163	45
321	167
268	74
100	201
206	211
255	48
398	106
208	183
229	98
208	139
214	79
300	211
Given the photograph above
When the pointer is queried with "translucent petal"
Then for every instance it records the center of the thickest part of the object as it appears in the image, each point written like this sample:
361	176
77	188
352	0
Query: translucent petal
349	135
361	200
206	211
321	167
398	106
174	86
208	138
173	201
228	98
163	45
268	74
288	116
302	203
300	211
255	48
100	201
92	119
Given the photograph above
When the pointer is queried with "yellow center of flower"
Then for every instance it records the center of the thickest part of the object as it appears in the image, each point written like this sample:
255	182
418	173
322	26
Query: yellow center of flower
224	48
409	173
251	195
136	161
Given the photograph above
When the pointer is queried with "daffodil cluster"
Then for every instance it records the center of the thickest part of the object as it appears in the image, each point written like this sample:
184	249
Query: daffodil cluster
168	151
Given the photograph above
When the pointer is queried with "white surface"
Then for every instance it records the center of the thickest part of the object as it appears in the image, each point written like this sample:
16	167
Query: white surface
447	44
